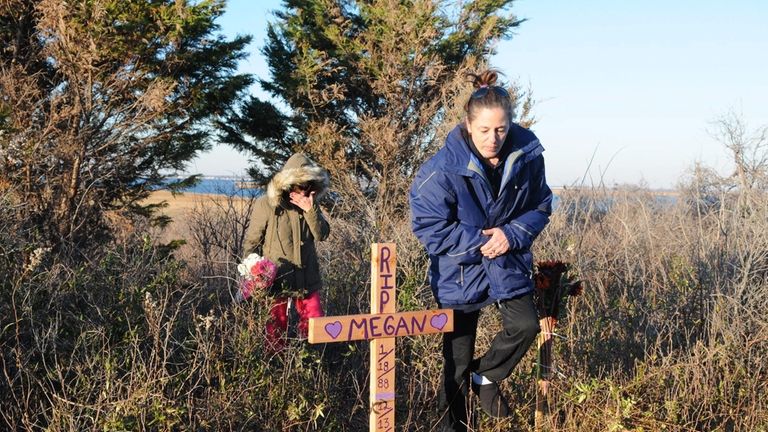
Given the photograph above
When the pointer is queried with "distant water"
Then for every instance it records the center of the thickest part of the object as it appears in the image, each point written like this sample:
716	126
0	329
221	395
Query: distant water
235	187
232	186
222	186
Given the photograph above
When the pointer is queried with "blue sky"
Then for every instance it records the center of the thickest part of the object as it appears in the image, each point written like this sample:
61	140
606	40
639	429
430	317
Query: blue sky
633	86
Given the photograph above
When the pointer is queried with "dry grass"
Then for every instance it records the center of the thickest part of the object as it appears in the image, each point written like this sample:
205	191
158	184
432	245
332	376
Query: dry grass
181	207
669	334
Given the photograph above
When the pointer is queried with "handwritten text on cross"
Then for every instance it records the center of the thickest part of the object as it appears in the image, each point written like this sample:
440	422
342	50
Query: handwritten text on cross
381	326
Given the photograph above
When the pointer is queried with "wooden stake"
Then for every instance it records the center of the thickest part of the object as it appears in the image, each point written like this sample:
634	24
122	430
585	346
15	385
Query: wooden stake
544	371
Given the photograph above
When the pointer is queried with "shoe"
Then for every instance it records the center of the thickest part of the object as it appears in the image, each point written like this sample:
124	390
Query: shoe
491	399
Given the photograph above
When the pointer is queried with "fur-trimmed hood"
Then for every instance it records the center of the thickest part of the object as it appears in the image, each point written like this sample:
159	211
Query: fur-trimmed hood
299	169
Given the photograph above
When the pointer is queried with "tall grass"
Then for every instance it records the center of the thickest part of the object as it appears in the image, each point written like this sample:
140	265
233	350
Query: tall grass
670	333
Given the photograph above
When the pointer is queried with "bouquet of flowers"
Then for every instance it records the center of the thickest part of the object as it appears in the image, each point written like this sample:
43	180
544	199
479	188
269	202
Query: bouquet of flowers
256	273
553	287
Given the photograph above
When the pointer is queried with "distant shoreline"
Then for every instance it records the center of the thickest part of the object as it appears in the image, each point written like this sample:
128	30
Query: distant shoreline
560	189
228	185
183	203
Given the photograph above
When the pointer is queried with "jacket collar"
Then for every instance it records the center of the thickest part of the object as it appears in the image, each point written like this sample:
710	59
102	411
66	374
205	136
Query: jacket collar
297	170
461	160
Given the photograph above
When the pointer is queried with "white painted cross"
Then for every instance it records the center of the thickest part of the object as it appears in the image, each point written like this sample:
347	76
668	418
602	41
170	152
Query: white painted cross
381	327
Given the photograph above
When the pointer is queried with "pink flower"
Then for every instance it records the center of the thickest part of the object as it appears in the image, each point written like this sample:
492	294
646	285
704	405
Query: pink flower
263	273
246	288
257	273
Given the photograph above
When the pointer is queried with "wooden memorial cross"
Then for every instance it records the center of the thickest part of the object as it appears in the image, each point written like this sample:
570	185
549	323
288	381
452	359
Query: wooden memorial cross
381	327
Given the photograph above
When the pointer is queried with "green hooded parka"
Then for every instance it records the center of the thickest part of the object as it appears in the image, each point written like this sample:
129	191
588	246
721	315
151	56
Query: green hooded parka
286	234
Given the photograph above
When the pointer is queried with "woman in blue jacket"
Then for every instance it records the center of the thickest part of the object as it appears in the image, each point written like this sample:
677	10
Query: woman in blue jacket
477	205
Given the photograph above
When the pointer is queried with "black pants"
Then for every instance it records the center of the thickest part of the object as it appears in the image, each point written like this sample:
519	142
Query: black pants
521	325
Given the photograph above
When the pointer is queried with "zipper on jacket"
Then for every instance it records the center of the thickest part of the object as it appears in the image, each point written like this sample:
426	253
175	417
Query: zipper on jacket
463	253
425	181
522	228
475	168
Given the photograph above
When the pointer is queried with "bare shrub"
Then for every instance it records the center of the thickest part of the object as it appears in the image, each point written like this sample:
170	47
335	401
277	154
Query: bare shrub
668	333
141	335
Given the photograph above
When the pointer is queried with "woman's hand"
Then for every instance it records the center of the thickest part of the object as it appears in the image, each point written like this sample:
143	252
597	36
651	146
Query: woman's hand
302	200
496	245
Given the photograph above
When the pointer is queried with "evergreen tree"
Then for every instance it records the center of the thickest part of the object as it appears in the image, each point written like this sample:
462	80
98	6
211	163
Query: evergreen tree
101	100
367	87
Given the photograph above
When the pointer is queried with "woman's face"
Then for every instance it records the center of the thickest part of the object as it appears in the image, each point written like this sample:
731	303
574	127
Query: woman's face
488	130
303	189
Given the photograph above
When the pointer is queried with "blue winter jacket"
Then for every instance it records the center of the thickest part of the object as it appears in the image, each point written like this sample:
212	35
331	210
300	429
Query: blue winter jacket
452	202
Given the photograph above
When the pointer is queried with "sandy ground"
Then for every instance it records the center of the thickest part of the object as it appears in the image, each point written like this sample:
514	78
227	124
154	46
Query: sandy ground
179	205
183	204
182	207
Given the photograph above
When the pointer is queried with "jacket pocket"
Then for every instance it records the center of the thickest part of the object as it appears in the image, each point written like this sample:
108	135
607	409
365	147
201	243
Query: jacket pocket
456	283
521	262
510	273
525	262
470	256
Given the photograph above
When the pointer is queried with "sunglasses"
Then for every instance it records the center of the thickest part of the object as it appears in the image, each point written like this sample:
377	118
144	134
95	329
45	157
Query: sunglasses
304	187
482	91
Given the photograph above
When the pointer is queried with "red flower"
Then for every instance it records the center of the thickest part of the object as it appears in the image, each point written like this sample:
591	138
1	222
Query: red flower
552	265
553	285
541	280
548	273
576	289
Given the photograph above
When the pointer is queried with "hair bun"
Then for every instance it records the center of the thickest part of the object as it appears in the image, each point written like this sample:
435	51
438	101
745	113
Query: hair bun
487	93
486	78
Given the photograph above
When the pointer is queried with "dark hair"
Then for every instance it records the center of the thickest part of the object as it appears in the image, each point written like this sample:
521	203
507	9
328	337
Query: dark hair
304	187
487	94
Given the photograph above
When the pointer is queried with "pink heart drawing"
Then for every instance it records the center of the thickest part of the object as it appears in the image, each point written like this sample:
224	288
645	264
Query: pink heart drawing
333	329
438	321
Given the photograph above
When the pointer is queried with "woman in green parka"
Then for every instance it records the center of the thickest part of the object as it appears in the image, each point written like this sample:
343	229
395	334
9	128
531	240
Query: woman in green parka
286	223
